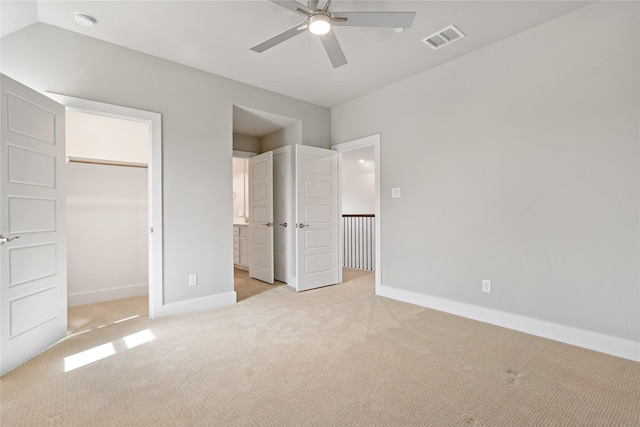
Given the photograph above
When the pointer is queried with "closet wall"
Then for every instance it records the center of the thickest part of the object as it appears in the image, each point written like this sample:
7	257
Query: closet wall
106	209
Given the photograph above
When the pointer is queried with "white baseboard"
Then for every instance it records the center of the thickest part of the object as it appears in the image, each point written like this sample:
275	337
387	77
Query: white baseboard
197	304
620	347
93	297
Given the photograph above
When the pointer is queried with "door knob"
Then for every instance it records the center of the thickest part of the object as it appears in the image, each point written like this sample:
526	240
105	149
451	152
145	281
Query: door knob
284	224
4	240
302	225
268	224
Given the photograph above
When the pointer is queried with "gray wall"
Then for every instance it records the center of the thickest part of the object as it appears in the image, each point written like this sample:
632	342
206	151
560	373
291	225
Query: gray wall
250	144
196	110
518	163
281	138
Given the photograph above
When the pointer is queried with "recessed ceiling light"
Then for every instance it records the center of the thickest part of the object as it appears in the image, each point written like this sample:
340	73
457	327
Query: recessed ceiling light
399	30
361	160
84	19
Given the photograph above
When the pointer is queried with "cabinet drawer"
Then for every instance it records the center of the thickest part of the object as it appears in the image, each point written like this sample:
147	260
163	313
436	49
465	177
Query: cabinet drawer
236	241
236	257
236	231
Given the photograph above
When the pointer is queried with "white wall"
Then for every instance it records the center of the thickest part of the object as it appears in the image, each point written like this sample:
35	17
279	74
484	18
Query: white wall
358	181
518	163
239	183
107	219
196	110
111	138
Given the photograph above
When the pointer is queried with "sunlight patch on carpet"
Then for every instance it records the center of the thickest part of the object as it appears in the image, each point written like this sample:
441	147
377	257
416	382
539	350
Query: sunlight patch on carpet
138	338
88	356
105	350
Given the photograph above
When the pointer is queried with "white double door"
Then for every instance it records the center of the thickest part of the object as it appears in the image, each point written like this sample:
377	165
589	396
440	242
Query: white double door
304	251
33	278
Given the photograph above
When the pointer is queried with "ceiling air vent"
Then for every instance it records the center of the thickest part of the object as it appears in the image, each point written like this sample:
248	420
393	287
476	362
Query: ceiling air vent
443	37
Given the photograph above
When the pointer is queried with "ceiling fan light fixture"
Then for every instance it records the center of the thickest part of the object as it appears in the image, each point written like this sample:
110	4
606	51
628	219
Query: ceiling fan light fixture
319	24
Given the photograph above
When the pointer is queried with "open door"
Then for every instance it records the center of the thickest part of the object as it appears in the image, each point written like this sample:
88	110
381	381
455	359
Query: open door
316	178
261	217
33	276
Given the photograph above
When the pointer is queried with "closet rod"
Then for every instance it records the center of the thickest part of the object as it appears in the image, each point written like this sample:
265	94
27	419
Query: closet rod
107	162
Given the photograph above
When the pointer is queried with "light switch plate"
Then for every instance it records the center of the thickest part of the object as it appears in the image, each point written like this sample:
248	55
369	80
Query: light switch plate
193	279
395	192
486	286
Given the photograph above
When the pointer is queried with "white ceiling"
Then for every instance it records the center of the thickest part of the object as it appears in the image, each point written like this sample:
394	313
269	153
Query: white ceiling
215	36
361	159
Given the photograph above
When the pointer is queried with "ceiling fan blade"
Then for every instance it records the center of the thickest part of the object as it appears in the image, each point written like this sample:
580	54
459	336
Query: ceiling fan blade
293	6
375	19
279	38
313	4
332	46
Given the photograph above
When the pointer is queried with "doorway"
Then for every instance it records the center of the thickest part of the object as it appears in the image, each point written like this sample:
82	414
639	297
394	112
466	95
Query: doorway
360	207
153	176
256	132
106	201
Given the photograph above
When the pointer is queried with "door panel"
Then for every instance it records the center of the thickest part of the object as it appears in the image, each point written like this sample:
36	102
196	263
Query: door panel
29	263
31	215
30	118
33	278
261	217
31	167
316	217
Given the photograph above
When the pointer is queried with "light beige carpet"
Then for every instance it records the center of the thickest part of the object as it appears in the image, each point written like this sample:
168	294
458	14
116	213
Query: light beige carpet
247	287
337	356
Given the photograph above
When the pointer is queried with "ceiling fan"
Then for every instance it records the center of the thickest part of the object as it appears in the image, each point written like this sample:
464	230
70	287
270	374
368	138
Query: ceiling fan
320	22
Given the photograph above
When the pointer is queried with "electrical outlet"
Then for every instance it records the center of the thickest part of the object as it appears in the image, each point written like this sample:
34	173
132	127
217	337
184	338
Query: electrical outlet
395	192
193	279
486	286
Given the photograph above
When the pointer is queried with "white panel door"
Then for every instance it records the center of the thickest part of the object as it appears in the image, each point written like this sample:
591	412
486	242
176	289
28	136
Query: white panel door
280	226
316	217
261	217
33	276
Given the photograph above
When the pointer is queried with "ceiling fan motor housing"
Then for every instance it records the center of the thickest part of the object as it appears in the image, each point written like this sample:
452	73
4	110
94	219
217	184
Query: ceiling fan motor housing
319	23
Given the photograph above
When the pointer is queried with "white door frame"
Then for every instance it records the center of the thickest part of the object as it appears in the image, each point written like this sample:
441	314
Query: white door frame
154	180
372	140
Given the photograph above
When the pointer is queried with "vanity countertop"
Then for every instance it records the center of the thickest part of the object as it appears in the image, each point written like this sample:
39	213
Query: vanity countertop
239	223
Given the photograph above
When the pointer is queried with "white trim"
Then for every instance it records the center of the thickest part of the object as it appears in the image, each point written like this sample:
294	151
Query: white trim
620	347
353	145
197	304
154	120
92	297
243	154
